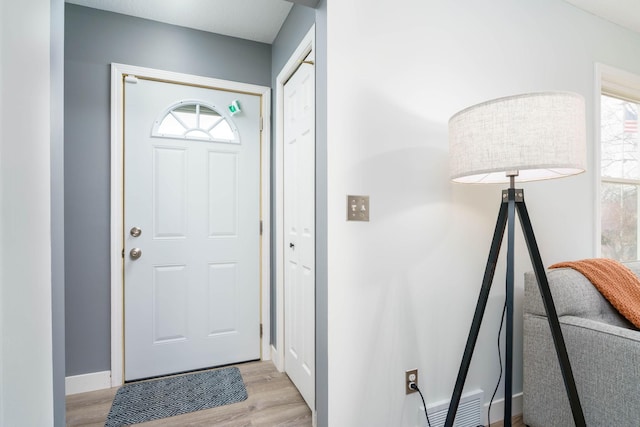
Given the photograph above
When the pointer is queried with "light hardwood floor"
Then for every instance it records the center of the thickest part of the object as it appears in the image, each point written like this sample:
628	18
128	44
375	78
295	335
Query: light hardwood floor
515	422
273	401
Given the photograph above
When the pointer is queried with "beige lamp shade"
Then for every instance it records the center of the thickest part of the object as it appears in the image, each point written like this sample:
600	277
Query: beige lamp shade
538	135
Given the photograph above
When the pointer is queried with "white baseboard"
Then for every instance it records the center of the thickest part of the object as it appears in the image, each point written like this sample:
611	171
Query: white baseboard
275	357
88	382
497	409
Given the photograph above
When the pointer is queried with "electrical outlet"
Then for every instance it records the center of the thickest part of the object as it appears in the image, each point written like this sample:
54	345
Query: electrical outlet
410	376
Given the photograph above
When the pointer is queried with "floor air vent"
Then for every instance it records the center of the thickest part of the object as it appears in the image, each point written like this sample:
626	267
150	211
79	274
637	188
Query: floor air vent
468	415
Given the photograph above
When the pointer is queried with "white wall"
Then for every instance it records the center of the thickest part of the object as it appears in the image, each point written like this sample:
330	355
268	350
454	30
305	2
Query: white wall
26	398
402	288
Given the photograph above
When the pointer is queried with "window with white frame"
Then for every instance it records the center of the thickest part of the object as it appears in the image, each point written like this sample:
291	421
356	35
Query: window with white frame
195	120
620	166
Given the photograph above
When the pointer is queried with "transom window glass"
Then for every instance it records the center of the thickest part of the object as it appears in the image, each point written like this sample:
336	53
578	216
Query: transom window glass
195	120
620	177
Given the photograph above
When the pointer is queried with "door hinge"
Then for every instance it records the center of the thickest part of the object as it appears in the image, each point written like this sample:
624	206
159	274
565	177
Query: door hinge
261	227
260	330
122	253
261	123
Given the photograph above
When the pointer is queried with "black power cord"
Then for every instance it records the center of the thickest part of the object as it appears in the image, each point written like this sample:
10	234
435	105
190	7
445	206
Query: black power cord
414	386
500	361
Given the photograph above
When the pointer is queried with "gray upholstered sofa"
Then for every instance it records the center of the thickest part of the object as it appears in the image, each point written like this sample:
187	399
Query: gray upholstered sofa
603	347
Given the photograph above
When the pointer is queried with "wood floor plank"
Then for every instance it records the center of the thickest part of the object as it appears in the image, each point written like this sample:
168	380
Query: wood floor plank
515	422
89	409
272	400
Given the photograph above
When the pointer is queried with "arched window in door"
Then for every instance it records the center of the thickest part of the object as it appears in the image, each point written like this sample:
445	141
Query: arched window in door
195	120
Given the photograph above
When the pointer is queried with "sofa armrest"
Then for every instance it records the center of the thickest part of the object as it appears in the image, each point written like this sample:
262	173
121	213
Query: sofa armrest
600	330
605	361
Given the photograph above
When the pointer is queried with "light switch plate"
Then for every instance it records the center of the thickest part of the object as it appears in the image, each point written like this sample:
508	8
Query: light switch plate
357	208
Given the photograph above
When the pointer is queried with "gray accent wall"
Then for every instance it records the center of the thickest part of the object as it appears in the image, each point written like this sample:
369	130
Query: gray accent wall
322	229
295	27
57	211
93	40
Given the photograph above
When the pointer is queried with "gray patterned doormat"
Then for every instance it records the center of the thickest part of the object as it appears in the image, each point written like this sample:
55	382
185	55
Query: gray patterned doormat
166	397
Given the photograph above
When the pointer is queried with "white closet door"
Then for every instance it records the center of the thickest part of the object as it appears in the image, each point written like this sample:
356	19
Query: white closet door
299	226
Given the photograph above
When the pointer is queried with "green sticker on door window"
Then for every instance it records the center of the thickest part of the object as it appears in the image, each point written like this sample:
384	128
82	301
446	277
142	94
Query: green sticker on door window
234	107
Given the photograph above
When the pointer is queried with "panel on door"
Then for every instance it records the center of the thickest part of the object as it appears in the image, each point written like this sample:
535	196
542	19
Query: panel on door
192	186
299	230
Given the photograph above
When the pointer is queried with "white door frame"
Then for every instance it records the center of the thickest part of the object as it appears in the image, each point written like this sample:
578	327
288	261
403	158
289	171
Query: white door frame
118	73
307	45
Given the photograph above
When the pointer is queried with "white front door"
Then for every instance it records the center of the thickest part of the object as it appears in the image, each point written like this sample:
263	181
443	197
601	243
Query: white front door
299	230
192	190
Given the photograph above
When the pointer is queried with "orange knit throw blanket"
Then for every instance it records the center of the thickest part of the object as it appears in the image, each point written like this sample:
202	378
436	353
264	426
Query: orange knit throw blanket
619	285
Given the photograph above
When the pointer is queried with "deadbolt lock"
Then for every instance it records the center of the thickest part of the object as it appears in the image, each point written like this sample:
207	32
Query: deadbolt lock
135	231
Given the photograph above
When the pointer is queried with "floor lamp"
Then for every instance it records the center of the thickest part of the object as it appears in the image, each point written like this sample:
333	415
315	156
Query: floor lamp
519	138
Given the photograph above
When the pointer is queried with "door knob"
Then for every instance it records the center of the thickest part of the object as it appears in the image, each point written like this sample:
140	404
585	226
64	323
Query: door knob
135	231
135	253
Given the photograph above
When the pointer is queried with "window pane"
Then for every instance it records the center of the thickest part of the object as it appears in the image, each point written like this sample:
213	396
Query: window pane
197	134
620	140
206	111
619	221
208	117
170	126
223	131
188	118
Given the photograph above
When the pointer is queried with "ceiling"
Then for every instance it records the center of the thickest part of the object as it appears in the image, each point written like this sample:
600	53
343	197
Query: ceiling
260	20
625	13
257	20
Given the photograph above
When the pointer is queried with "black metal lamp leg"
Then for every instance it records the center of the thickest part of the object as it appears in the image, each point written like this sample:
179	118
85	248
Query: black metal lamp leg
507	213
509	292
552	315
479	313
